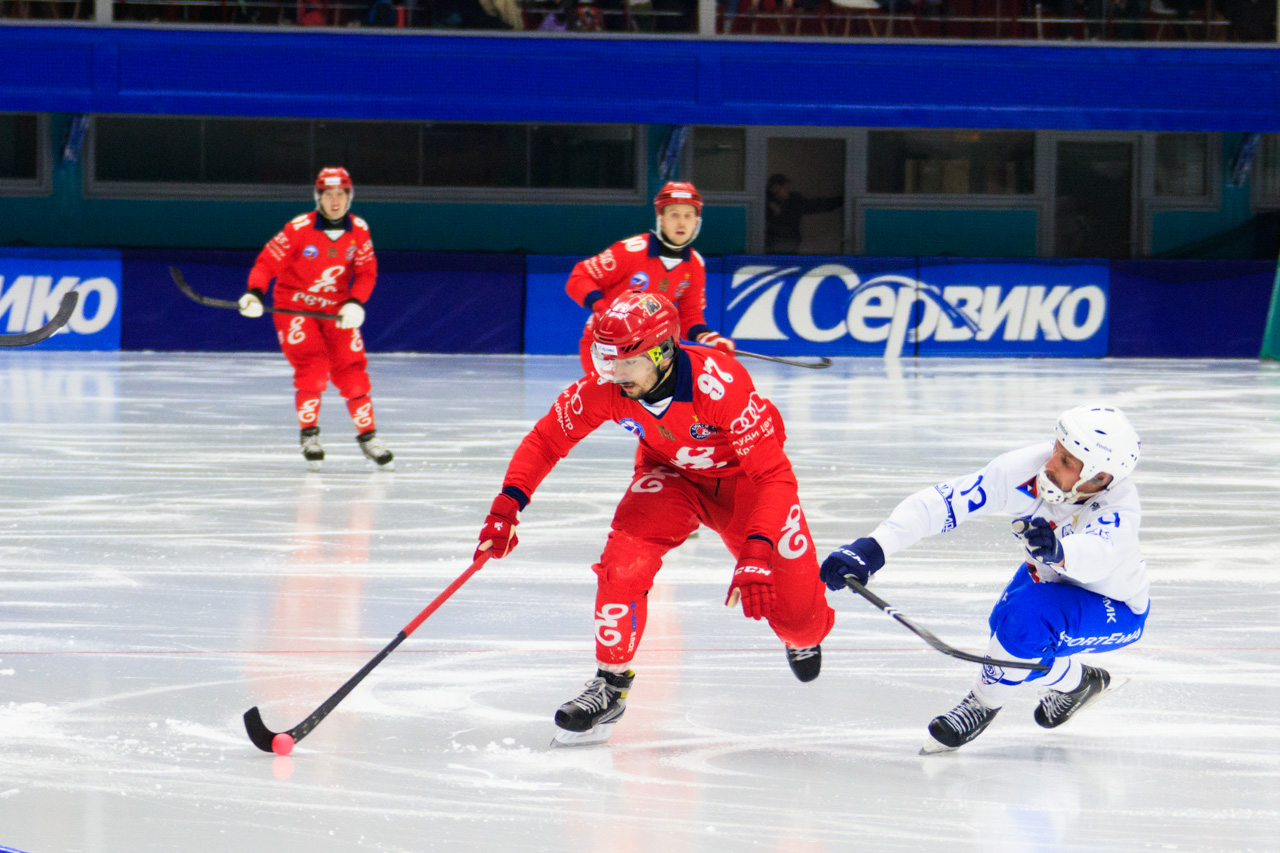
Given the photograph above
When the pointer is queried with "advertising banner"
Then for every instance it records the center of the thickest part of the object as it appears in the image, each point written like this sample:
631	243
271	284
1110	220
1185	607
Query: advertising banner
423	302
917	306
33	282
1190	309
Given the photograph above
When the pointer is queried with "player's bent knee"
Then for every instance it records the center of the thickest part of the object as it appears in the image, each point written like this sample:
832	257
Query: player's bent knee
628	564
1028	621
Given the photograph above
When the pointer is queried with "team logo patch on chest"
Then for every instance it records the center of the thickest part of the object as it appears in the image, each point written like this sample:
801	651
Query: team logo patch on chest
665	433
351	251
333	251
640	281
702	431
632	426
310	252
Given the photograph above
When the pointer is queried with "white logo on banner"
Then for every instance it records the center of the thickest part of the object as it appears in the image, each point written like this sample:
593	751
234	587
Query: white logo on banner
30	300
956	312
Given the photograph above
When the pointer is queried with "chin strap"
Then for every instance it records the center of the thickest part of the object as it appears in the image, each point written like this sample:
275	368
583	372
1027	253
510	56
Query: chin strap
1051	493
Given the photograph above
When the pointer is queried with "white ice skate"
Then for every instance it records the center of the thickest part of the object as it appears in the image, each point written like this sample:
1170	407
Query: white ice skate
311	449
375	451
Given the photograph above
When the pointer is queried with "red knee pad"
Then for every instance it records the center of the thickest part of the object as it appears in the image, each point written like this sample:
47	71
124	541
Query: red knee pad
625	573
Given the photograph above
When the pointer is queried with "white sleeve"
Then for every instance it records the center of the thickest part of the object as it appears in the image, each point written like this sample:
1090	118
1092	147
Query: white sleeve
1101	546
941	508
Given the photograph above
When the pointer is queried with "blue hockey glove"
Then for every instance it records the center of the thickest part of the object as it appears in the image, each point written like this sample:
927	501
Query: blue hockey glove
861	559
1037	534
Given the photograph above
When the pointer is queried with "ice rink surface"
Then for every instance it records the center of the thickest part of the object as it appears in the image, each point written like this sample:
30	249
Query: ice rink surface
166	562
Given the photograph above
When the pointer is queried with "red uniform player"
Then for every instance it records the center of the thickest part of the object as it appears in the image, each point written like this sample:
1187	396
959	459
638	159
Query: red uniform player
323	261
660	261
711	452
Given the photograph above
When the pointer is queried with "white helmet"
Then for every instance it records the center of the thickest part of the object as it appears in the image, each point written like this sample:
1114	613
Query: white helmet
1104	442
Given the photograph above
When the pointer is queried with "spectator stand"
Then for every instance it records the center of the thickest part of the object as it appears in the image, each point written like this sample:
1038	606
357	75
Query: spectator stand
56	10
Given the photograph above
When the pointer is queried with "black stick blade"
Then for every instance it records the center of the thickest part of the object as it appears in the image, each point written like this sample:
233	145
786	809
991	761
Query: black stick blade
258	731
65	309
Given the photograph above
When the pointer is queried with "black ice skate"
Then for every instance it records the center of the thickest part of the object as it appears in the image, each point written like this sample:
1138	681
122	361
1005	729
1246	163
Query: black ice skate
590	718
375	451
958	726
1056	707
805	662
311	449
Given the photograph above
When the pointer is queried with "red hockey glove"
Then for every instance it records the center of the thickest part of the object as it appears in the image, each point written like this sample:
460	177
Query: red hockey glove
719	341
499	534
753	580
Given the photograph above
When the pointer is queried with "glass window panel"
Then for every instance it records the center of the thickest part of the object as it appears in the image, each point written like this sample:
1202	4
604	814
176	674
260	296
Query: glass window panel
155	150
1094	200
1182	162
720	158
474	155
19	146
582	156
248	151
1267	169
951	162
378	153
804	196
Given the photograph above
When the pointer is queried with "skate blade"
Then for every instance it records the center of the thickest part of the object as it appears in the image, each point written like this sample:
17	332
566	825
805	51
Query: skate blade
1116	683
597	734
314	465
933	747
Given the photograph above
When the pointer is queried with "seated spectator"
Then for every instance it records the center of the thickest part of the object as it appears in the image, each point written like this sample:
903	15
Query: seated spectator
313	13
1127	15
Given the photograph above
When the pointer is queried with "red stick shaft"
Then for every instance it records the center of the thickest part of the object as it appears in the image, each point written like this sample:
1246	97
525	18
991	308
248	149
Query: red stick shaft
444	596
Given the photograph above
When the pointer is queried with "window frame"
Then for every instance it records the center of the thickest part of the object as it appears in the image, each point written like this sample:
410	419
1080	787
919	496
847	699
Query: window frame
176	191
42	183
1214	177
968	197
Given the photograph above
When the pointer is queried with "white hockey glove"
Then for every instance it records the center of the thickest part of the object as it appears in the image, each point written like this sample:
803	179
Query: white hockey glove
251	304
350	315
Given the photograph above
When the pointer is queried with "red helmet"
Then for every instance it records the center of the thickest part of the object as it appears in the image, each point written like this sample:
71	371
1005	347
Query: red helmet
637	323
333	176
678	192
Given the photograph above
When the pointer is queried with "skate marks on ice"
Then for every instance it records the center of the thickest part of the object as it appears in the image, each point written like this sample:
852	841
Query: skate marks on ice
165	563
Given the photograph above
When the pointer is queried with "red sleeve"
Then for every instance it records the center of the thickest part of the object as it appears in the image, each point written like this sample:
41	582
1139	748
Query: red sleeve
692	304
578	410
273	258
598	272
754	427
366	267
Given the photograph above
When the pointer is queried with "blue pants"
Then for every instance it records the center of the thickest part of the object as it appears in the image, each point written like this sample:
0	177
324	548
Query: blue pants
1049	620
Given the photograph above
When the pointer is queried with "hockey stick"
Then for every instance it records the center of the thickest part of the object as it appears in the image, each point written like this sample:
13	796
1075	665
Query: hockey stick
822	361
930	638
65	309
211	302
262	736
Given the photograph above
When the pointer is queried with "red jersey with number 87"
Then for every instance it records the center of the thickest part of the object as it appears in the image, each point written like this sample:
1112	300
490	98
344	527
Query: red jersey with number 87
716	425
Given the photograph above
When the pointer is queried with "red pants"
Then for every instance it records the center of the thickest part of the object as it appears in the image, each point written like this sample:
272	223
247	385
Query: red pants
659	511
319	352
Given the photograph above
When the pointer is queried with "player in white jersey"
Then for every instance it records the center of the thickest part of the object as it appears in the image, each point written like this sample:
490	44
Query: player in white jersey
1083	586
